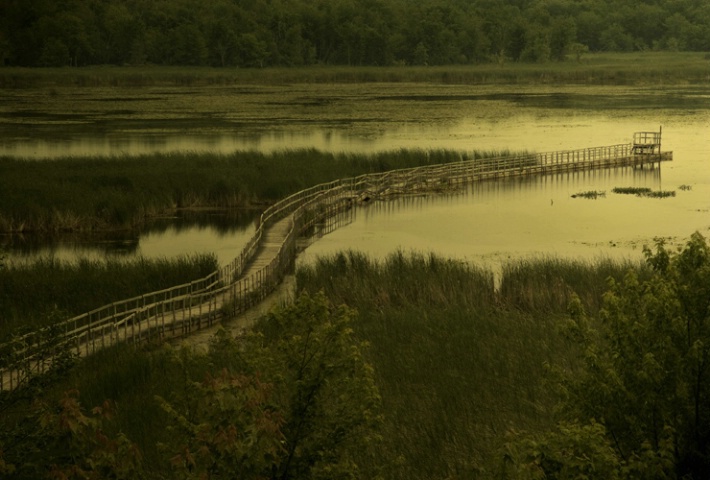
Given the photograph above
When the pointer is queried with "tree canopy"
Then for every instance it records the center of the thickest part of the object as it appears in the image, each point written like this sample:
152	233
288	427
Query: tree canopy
640	406
261	33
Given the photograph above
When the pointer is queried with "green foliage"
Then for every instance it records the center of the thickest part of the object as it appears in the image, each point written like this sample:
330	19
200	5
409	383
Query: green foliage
231	430
569	451
302	405
549	284
456	364
646	375
343	32
330	403
456	380
61	441
295	398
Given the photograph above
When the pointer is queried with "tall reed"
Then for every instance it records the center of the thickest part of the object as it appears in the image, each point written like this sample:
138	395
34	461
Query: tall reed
547	284
33	292
593	69
458	365
99	193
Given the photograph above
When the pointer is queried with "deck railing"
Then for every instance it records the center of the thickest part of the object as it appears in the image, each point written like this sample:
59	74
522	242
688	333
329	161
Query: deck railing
227	292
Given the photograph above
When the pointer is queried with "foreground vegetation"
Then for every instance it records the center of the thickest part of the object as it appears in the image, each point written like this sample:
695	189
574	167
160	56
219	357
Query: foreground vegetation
568	370
95	194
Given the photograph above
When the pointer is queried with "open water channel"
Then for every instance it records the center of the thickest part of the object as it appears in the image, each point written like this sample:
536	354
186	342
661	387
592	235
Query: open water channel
490	222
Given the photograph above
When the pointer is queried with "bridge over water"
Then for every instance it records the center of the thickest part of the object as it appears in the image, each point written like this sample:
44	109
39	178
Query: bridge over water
271	253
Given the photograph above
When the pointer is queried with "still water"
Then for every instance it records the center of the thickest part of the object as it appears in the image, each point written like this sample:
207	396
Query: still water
489	223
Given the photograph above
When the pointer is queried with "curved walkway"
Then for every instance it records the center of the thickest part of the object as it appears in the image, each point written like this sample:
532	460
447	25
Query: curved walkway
269	257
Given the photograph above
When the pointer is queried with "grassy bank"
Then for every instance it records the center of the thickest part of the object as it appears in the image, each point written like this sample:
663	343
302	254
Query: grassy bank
49	290
95	194
592	69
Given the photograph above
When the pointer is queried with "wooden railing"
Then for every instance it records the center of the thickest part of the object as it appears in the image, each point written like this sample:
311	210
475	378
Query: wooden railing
228	291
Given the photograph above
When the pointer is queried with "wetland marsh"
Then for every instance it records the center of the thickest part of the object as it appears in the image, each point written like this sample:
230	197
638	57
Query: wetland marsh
526	216
460	366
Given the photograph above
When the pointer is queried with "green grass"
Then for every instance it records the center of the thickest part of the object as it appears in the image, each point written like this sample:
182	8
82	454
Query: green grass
594	69
92	194
47	290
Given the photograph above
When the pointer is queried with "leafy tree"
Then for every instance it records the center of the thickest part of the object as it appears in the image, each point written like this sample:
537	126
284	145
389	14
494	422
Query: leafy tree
563	32
570	451
329	400
59	440
303	405
537	45
646	375
230	431
54	53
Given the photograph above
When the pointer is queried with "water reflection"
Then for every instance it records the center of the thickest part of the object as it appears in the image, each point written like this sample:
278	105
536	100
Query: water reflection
494	221
193	232
137	143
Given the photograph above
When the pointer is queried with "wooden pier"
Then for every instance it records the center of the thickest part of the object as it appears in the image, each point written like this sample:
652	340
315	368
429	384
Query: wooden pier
271	253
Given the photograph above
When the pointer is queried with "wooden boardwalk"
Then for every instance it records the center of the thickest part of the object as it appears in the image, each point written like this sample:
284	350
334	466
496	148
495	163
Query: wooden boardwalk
270	255
163	323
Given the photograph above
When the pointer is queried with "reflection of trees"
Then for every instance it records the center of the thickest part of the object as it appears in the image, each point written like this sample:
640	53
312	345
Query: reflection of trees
127	243
223	221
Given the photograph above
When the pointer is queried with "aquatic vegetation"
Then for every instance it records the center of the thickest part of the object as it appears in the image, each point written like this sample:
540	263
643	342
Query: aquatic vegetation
592	194
631	190
644	192
660	194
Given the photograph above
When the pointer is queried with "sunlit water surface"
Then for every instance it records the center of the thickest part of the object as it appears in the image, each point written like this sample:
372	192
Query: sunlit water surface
489	223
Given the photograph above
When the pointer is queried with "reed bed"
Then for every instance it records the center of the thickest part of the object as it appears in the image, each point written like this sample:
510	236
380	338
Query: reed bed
593	69
36	293
546	285
121	193
458	364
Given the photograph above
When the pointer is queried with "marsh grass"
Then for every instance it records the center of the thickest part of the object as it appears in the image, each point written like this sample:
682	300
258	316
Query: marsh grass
593	69
546	284
458	365
122	193
29	292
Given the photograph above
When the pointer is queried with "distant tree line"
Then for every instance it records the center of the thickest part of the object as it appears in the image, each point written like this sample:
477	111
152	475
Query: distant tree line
259	33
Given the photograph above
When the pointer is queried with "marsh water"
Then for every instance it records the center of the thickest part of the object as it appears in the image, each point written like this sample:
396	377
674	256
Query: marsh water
488	223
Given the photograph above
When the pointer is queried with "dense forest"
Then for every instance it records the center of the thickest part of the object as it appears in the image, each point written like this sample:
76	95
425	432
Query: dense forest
259	33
